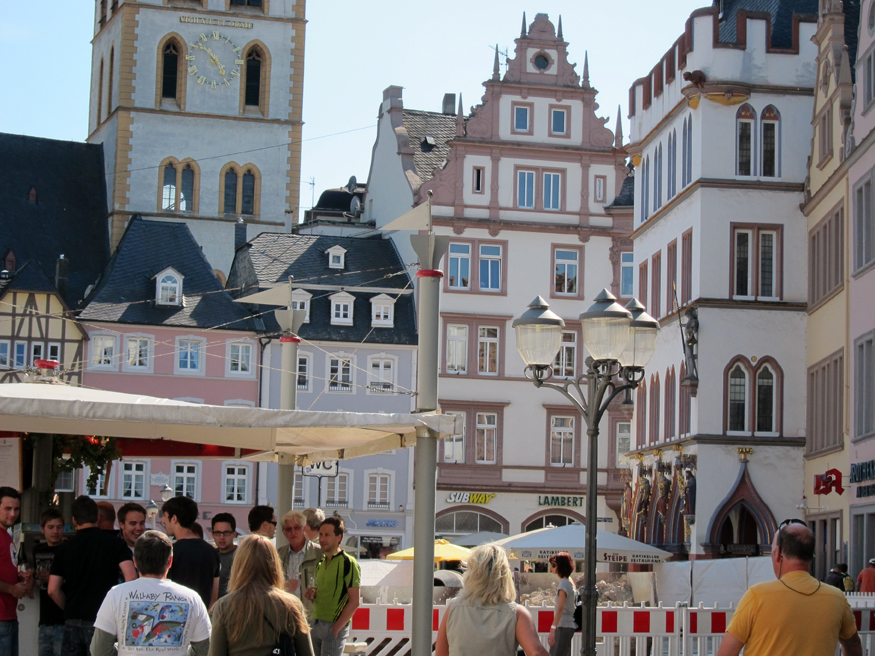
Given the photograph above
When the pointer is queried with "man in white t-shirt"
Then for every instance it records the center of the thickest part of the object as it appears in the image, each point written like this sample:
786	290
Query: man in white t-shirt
152	614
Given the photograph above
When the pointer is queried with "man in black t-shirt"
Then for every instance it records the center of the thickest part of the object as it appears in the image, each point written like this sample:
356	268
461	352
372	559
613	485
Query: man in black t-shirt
51	618
83	571
195	563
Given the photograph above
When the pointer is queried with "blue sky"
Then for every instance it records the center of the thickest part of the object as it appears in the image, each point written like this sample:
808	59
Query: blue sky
354	50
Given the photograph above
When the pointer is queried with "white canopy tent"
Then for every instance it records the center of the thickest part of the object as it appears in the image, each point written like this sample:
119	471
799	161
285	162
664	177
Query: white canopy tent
611	548
309	436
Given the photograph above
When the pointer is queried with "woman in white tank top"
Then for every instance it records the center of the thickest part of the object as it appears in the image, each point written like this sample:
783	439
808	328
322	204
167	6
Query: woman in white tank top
483	620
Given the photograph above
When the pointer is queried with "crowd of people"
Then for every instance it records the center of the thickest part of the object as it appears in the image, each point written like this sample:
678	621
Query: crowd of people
131	591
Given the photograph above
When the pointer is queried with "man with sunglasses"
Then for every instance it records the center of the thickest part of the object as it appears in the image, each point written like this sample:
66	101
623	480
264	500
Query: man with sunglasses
795	614
262	521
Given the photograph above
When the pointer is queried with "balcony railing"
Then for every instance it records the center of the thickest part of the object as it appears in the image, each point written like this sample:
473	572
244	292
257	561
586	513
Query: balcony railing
375	505
339	387
298	503
337	503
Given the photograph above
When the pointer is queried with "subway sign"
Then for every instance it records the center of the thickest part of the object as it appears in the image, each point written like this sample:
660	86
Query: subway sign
481	498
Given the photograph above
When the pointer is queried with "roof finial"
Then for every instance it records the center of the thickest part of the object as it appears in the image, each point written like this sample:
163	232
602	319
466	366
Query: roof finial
495	73
523	29
585	70
460	119
560	27
618	131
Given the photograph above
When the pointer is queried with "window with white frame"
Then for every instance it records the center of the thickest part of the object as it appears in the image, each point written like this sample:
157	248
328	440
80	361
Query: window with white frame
4	353
240	360
824	134
54	351
454	446
864	387
342	309
99	490
457	348
558	121
339	374
552	191
486	442
565	267
235	483
168	288
864	223
566	358
521	118
624	442
185	479
525	189
189	355
337	491
382	374
65	481
627	274
20	355
137	352
744	121
490	268
737	411
378	491
37	351
460	266
487	350
561	441
133	480
301	301
303	373
382	311
336	257
755	265
600	186
299	500
479	173
102	350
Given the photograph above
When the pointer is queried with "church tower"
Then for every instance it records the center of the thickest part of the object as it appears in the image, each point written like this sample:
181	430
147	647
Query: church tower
198	104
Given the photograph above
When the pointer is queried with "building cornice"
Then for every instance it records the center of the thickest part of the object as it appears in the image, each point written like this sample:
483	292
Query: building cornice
747	440
495	226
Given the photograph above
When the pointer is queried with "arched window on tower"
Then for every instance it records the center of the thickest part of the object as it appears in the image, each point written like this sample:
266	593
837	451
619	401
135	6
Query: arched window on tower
170	70
230	197
645	203
745	120
253	78
657	178
771	123
670	395
168	193
765	400
641	416
186	201
99	116
179	185
737	399
248	202
654	410
109	80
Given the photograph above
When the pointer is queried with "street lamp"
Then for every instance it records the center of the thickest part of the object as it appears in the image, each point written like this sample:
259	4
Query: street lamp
152	512
620	341
166	493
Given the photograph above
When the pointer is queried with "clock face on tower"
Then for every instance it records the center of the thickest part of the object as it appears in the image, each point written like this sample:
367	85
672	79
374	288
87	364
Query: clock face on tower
214	60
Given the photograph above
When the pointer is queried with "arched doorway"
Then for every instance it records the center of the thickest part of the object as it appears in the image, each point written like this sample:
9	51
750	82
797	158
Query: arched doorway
743	524
739	534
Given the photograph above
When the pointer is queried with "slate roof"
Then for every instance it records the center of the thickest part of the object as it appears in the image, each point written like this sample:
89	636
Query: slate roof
781	12
69	216
419	125
271	258
626	197
126	292
29	278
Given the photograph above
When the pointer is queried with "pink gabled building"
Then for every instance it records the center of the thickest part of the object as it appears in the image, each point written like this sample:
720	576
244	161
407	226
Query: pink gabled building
160	323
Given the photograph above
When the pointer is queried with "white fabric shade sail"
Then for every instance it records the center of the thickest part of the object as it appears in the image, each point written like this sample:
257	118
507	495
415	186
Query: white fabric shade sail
311	436
610	547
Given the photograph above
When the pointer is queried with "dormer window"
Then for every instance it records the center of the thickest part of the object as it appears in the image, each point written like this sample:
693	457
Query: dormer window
342	309
301	301
336	257
382	311
168	287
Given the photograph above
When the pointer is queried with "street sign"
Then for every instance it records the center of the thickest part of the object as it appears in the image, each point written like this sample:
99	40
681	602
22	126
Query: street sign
321	469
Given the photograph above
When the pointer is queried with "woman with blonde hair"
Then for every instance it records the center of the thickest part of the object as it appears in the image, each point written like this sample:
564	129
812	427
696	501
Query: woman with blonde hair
248	620
484	620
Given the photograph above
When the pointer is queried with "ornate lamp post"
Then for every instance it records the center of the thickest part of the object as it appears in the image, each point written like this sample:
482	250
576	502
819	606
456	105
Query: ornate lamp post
620	342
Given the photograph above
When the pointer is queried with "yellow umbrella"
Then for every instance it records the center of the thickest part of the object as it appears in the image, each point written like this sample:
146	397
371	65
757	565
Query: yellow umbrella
443	550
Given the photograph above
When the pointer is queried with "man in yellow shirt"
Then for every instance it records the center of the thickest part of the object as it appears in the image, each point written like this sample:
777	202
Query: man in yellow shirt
795	614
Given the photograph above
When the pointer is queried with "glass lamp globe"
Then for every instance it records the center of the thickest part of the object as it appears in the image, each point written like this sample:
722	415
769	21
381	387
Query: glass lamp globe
538	334
642	338
606	327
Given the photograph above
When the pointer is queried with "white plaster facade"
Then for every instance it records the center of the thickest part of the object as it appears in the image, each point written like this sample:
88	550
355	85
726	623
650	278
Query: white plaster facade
696	213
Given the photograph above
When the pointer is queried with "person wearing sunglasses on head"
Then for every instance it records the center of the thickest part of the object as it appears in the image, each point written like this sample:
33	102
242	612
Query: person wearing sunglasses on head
796	614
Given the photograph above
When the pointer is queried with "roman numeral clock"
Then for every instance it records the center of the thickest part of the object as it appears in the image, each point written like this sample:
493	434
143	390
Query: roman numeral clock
214	60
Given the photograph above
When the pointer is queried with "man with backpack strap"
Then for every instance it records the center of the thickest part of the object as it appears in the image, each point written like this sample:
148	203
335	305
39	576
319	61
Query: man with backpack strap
336	595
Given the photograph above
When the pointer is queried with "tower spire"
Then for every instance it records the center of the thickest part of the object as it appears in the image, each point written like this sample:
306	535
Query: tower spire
560	27
460	119
585	84
618	131
495	73
523	29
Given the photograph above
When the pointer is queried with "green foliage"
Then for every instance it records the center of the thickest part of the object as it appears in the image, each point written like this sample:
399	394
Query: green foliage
84	451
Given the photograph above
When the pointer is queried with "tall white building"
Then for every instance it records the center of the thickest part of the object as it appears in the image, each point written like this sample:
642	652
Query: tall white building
198	105
721	130
527	188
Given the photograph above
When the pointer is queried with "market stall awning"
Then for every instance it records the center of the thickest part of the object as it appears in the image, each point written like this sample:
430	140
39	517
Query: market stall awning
610	547
443	550
312	436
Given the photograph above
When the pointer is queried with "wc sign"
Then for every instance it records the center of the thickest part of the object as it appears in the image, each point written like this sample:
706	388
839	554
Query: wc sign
329	468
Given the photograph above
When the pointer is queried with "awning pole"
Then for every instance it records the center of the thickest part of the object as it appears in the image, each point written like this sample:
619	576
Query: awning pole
288	401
